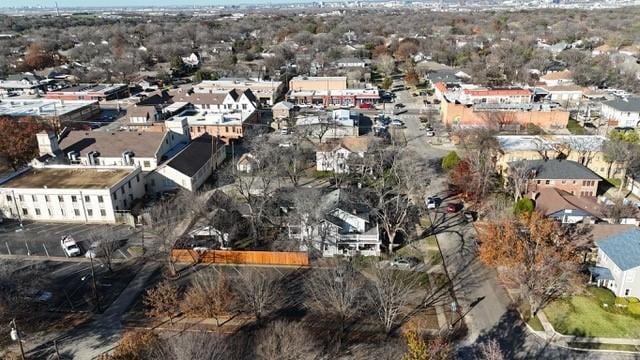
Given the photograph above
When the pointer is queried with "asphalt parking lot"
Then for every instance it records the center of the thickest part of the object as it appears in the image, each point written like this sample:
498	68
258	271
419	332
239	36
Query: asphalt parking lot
43	239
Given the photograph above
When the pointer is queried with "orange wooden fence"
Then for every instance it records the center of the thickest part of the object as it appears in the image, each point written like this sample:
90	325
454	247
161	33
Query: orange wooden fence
241	257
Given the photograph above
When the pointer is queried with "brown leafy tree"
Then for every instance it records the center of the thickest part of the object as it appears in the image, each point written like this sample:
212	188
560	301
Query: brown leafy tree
533	253
162	300
37	58
209	296
135	345
18	143
194	345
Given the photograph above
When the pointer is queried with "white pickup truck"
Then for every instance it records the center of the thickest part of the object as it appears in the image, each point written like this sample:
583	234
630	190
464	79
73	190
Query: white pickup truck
69	246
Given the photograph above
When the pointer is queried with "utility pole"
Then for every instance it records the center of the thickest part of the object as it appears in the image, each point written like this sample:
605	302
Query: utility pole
93	282
15	336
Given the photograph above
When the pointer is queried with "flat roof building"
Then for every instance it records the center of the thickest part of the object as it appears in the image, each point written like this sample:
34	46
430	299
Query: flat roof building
97	92
55	111
63	193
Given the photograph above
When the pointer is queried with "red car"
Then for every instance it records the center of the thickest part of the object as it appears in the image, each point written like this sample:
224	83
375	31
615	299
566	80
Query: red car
366	106
453	207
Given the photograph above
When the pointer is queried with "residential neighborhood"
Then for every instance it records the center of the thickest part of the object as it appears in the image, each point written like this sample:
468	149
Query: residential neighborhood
321	180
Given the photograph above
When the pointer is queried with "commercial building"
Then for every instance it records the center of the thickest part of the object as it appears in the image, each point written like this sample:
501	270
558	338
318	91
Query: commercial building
62	193
56	112
98	92
267	92
227	126
329	91
464	106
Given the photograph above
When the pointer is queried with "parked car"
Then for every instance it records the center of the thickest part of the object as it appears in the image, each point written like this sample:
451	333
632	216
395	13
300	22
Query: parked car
366	106
470	216
403	263
433	202
398	106
453	207
284	131
69	246
397	122
430	133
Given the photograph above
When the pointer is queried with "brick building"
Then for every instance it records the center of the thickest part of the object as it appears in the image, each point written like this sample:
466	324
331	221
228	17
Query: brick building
565	175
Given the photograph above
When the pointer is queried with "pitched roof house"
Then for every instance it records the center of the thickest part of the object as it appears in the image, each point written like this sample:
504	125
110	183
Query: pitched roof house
335	155
566	175
618	262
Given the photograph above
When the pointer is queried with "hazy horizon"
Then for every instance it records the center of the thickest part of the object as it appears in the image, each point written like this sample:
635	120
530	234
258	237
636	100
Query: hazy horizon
128	3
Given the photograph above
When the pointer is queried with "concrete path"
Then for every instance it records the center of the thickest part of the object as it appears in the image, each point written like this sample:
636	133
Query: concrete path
561	339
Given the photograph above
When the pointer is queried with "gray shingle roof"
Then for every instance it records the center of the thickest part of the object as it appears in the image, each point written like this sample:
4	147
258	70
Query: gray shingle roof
632	104
561	169
623	248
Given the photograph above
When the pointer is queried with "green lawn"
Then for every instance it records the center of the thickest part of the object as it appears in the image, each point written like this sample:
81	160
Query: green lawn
585	315
574	127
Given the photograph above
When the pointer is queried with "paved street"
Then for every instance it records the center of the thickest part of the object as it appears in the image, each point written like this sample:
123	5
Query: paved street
482	300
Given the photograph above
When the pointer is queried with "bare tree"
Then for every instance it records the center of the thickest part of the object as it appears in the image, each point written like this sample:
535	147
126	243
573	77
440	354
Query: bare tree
209	295
163	220
390	292
490	350
386	64
257	289
519	175
191	346
619	210
105	241
338	291
622	153
286	341
162	300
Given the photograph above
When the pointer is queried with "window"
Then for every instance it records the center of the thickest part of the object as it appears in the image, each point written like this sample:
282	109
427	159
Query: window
138	178
37	211
129	184
122	189
33	198
62	211
76	212
103	212
146	164
46	198
25	211
74	198
626	292
60	198
100	199
87	198
21	197
115	195
49	211
9	198
90	212
539	182
244	106
547	182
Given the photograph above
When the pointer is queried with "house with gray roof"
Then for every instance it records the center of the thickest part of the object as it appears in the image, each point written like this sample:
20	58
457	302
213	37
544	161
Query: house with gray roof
618	263
623	113
561	174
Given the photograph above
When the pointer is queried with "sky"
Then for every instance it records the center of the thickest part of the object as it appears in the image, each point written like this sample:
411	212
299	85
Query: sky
103	3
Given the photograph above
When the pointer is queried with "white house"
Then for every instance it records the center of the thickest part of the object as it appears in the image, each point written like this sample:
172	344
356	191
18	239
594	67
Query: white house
246	163
190	167
223	102
618	263
336	124
622	113
192	60
565	95
340	233
335	155
63	193
352	63
556	78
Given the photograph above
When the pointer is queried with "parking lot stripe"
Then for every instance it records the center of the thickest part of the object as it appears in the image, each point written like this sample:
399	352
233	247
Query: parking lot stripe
123	254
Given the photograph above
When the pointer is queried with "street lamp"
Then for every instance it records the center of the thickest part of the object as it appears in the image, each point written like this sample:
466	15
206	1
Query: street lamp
15	336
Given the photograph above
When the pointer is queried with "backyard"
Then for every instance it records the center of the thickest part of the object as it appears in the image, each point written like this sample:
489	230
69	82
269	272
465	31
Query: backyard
594	313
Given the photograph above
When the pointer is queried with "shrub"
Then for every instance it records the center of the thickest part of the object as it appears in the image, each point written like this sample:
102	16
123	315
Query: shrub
524	205
634	308
450	160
